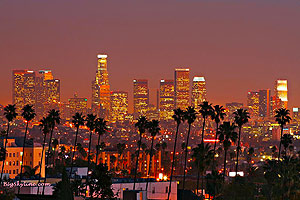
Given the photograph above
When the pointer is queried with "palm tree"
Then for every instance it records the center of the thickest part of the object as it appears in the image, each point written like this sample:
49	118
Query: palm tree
91	124
100	129
282	117
28	114
190	116
10	114
206	110
241	117
153	128
54	118
141	125
286	141
78	120
203	155
55	145
121	147
45	128
218	114
227	135
178	118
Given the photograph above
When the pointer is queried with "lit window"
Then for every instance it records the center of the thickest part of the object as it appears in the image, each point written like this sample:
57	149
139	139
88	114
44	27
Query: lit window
21	153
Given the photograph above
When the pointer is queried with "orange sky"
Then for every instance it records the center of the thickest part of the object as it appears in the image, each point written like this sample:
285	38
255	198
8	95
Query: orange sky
237	45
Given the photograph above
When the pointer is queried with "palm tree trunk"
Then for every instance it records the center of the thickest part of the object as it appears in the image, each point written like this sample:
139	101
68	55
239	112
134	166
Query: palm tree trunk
41	163
47	160
238	151
225	163
89	160
149	170
198	177
203	128
215	146
97	150
202	183
74	150
137	161
24	140
5	143
173	160
185	158
280	142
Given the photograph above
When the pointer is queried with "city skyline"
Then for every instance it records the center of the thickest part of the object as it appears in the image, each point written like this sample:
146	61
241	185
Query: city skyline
235	58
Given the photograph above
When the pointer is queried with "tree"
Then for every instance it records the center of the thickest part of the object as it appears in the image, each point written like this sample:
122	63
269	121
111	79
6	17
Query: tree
55	145
78	120
10	114
206	110
81	150
227	135
29	172
91	124
100	129
141	125
100	184
203	156
54	119
190	117
218	114
45	128
120	148
241	117
286	141
178	118
62	190
28	114
282	117
153	128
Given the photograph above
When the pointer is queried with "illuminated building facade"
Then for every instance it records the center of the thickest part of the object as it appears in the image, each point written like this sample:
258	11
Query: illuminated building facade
296	114
198	91
140	97
166	99
119	106
253	103
232	107
152	112
23	89
77	104
281	92
182	88
101	89
32	156
264	102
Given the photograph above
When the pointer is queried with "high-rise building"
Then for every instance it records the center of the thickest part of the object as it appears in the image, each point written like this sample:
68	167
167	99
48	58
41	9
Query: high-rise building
233	106
264	102
166	99
52	93
198	91
140	97
281	92
182	88
119	106
253	103
101	88
296	115
77	104
23	89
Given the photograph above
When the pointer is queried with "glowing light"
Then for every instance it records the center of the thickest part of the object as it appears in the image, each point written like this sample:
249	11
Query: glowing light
198	78
101	56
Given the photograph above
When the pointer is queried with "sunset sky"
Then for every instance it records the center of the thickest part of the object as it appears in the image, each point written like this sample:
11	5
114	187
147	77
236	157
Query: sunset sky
237	45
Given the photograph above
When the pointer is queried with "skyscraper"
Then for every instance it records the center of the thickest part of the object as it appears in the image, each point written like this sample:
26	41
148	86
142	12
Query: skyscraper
253	103
166	99
140	97
23	89
264	102
77	104
119	106
281	92
101	88
198	91
182	88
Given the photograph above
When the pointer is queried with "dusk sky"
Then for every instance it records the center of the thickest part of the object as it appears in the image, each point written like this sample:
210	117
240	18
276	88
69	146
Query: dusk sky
237	45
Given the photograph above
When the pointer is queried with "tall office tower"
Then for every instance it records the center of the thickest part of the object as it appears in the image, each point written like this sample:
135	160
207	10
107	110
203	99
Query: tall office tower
119	106
233	106
264	102
182	88
101	88
140	97
281	92
52	93
77	104
166	99
253	103
23	89
198	91
296	115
